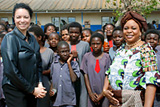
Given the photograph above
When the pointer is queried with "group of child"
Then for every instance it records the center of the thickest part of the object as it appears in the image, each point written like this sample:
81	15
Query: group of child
74	63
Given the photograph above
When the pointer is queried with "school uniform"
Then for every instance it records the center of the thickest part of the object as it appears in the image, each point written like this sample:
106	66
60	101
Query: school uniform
95	69
22	68
47	59
81	91
61	81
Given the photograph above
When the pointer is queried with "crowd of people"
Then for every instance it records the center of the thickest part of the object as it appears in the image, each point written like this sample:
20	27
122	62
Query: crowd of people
116	66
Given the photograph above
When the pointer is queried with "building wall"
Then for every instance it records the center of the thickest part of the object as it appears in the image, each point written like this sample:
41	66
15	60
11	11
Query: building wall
95	19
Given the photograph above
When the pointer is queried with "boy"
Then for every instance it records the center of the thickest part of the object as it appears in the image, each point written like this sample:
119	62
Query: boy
78	49
152	36
64	73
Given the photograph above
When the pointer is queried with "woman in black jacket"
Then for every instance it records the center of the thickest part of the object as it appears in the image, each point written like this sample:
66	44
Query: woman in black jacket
22	62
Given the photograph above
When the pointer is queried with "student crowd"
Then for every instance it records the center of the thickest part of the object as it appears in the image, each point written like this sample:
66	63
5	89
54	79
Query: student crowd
118	66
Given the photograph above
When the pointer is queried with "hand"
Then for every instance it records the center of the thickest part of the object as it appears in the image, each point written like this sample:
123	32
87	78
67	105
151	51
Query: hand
109	95
52	92
40	85
75	54
70	58
93	97
99	97
106	49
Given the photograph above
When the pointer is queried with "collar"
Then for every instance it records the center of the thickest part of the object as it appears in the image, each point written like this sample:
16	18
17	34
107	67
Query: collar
19	34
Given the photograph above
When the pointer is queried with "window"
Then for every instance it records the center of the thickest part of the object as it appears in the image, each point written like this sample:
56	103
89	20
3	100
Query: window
60	21
107	20
4	19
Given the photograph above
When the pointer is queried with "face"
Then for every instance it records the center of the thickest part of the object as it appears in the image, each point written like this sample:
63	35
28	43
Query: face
86	35
131	32
153	39
22	19
65	35
96	44
49	30
74	33
118	38
53	40
109	30
63	52
2	28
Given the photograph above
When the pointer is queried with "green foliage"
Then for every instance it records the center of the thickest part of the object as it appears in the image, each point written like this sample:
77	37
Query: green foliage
143	7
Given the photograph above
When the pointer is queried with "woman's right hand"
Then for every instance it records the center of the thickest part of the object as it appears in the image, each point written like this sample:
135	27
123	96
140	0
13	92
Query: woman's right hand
109	95
39	92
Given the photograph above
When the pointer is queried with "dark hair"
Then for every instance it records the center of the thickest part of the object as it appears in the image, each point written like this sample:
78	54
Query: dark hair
1	32
154	31
47	25
23	6
11	26
55	33
62	43
37	31
150	26
153	22
117	28
75	24
97	35
63	28
98	30
5	28
108	24
88	30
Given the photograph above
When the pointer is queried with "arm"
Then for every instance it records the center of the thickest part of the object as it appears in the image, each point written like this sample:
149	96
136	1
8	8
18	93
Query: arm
72	74
149	95
46	72
92	95
107	93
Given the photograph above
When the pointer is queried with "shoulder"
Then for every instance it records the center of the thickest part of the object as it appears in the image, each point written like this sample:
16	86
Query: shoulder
50	50
83	43
87	55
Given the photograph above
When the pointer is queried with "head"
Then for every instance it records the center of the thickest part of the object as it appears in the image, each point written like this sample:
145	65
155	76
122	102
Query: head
75	30
99	31
22	15
49	28
133	24
86	34
38	33
53	39
64	33
63	50
118	37
153	22
108	28
97	41
10	28
152	36
2	27
3	32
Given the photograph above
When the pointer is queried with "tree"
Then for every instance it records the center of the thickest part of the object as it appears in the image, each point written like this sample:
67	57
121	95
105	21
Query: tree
143	7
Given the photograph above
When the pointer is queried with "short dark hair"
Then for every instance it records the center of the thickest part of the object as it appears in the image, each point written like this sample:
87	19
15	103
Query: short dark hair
23	6
88	30
55	34
5	28
97	35
37	30
108	24
154	31
62	43
64	27
117	28
75	24
49	24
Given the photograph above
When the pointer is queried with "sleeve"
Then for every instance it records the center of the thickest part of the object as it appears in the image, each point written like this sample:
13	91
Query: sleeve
108	62
84	64
9	49
149	65
75	68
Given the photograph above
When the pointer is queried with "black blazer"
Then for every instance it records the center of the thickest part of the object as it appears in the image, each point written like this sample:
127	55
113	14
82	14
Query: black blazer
22	61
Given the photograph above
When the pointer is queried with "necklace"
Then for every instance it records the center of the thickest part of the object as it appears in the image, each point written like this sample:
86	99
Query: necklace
131	45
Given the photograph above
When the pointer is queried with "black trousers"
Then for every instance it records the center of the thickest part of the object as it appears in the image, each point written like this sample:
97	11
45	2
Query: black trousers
17	98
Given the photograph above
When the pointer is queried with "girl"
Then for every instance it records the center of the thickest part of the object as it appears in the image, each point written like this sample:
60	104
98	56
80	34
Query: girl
47	56
94	65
